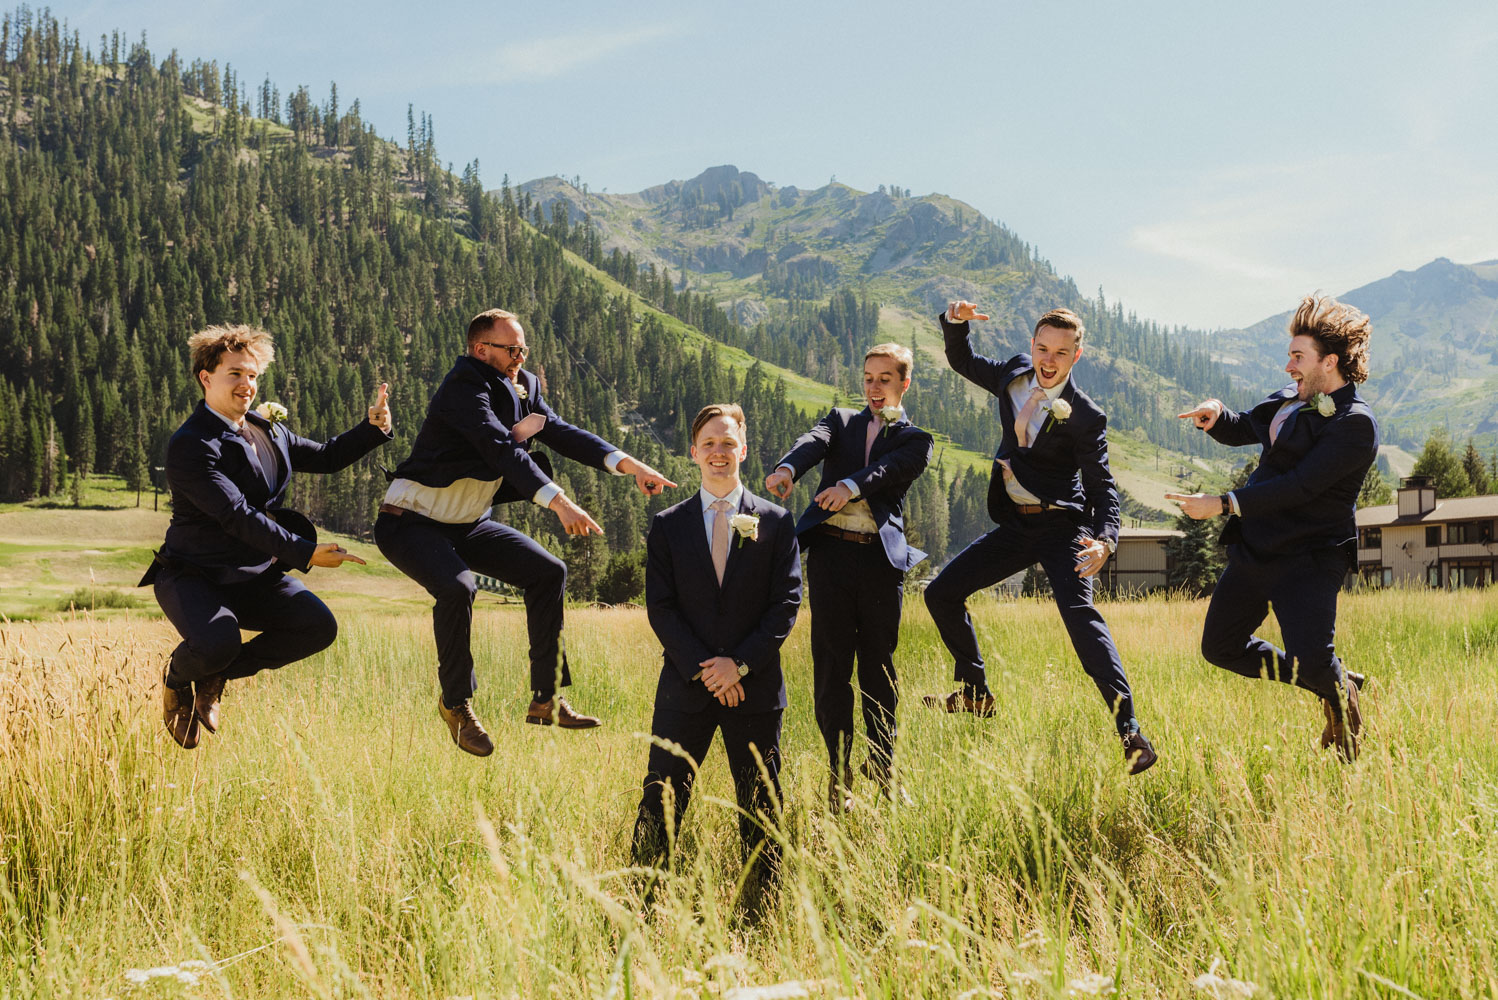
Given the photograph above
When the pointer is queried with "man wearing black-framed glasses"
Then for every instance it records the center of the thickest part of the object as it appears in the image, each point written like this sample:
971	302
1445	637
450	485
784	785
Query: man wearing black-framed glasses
473	450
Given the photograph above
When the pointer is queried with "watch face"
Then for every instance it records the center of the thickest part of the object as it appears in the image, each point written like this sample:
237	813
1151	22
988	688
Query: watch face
743	670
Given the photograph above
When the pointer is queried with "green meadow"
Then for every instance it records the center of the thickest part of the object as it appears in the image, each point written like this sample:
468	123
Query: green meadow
332	842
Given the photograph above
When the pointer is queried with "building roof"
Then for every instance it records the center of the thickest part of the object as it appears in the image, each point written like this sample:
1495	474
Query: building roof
1127	532
1449	509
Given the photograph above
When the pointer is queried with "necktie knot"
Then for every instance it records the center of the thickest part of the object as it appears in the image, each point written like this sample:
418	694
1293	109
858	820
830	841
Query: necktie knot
719	505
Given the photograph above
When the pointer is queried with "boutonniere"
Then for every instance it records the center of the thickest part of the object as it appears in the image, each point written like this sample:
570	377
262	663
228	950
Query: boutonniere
272	413
887	416
746	525
521	391
1322	404
1060	410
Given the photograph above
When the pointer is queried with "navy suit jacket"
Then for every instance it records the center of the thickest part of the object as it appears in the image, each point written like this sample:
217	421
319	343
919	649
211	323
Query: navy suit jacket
1304	493
223	524
746	618
1066	465
466	433
899	455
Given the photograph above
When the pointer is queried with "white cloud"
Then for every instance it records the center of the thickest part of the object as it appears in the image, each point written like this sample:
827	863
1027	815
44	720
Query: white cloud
546	58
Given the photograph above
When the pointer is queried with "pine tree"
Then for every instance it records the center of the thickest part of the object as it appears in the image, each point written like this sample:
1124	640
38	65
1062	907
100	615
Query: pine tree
1195	559
1439	462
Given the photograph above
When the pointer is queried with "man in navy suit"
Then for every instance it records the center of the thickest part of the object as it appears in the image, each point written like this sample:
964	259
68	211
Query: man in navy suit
473	450
722	585
1291	531
1053	498
857	557
230	542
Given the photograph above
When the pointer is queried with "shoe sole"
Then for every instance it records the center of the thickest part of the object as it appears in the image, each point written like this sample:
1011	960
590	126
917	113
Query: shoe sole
533	720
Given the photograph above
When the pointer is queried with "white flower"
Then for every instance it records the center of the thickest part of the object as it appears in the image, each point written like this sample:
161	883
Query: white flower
747	525
1060	409
1219	988
889	414
1323	404
1091	984
274	412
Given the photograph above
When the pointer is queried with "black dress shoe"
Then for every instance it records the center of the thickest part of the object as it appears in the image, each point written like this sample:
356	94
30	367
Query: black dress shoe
1138	754
177	712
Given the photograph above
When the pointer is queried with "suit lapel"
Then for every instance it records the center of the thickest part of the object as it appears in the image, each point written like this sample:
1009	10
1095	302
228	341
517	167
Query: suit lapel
1007	413
858	431
701	556
1049	423
736	544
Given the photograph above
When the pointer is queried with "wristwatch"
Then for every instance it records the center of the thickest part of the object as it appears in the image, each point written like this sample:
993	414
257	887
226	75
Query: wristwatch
1227	505
743	668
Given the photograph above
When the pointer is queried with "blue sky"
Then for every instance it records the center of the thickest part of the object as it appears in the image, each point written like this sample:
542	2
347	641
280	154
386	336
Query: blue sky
1206	164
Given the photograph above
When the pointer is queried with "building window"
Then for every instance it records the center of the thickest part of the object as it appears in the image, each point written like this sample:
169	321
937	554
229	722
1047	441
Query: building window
1433	575
1371	538
1460	575
1388	578
1432	536
1462	533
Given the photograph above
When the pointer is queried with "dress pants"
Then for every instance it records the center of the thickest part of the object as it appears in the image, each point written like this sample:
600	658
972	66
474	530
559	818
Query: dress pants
1303	589
855	603
1053	540
443	558
293	624
758	801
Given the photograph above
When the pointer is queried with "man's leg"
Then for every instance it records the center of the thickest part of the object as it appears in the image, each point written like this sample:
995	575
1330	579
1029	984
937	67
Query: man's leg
1308	620
693	733
1089	633
200	611
999	554
832	588
423	550
752	742
1240	603
502	552
881	590
293	623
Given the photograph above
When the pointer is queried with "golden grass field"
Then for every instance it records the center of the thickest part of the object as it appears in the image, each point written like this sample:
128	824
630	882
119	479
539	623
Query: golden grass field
332	842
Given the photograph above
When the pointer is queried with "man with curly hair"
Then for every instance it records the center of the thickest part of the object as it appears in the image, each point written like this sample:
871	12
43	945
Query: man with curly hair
1291	533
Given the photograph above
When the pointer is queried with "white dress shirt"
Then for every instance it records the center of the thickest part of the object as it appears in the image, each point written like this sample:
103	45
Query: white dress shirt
1019	391
467	500
709	515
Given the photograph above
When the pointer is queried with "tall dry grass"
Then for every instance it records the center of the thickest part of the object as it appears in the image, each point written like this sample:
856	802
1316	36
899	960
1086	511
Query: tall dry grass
332	842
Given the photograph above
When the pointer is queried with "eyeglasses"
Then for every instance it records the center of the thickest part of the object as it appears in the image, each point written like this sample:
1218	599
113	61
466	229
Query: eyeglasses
517	353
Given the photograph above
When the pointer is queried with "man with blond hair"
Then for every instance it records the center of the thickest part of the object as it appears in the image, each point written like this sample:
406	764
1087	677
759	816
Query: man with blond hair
857	558
474	450
1055	502
1291	530
230	543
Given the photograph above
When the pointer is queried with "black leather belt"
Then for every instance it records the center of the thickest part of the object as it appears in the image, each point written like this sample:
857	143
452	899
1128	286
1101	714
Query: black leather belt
859	537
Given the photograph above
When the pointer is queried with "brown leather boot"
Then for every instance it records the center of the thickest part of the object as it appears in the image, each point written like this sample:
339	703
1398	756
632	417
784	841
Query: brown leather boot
1344	732
958	701
205	701
1139	755
177	712
556	712
468	733
1331	734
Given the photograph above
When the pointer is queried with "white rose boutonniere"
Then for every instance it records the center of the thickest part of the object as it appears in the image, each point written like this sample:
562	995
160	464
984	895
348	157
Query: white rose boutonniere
887	416
275	413
746	525
1060	410
1322	404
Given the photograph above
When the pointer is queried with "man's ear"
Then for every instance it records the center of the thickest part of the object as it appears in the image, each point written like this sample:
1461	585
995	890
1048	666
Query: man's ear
904	386
203	376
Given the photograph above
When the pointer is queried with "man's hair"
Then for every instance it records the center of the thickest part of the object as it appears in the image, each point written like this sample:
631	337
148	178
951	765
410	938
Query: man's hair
733	411
899	353
1337	329
207	347
486	321
1064	319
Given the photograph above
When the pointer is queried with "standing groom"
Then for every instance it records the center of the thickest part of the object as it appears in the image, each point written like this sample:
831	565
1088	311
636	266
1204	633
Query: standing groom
1291	531
722	585
1055	503
856	561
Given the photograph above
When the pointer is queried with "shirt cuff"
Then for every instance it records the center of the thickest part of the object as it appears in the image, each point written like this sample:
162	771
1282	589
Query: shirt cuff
851	487
546	494
1233	503
611	462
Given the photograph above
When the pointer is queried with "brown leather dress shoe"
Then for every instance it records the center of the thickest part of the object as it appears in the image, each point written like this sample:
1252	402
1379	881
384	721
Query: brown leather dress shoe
467	732
556	712
1343	733
177	713
1331	733
957	701
1138	754
205	701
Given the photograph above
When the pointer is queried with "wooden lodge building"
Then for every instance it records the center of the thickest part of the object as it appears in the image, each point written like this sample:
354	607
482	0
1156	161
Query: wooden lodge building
1446	543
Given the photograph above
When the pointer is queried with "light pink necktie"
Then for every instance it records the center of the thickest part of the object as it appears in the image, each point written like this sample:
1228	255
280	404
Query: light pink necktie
721	532
1026	414
1278	423
875	426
